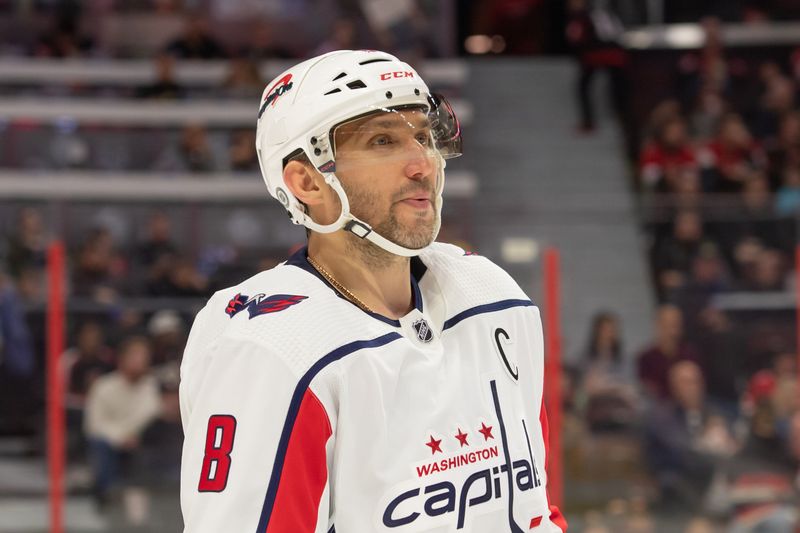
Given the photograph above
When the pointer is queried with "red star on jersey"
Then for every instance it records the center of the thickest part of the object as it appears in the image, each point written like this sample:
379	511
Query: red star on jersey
486	432
434	445
462	438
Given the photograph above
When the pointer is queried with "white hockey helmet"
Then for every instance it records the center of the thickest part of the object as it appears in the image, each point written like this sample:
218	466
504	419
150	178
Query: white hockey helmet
300	109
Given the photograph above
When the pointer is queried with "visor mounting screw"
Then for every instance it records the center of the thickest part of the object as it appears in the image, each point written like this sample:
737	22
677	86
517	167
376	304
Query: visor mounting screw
317	151
389	94
313	140
416	92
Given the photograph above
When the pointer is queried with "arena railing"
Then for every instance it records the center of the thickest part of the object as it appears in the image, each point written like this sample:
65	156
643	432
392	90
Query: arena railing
686	36
132	112
438	73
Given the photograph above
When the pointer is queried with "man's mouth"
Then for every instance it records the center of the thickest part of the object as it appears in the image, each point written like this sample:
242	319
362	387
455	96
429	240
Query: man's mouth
419	202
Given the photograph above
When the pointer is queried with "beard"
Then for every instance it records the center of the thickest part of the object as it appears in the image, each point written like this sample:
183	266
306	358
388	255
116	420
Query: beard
417	232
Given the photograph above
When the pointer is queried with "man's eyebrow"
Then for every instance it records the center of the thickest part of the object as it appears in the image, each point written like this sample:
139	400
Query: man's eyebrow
390	123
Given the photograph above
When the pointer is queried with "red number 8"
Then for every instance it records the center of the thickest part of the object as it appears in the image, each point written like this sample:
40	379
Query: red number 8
217	460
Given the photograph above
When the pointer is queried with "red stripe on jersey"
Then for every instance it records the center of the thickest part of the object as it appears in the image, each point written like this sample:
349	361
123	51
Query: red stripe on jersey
305	470
555	514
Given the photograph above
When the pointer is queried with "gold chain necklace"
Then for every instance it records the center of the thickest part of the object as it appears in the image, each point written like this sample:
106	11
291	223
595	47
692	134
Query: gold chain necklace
339	287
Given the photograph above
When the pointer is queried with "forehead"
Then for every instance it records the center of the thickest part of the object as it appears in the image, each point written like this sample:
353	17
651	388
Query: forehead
413	118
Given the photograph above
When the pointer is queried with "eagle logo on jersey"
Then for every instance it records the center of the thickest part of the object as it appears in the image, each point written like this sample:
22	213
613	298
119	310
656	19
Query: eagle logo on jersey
261	304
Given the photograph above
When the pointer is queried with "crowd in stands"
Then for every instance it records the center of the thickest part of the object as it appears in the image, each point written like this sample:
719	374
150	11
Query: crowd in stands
719	445
714	401
121	367
216	30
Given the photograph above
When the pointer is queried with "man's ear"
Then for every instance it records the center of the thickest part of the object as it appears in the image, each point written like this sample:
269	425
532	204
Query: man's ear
304	182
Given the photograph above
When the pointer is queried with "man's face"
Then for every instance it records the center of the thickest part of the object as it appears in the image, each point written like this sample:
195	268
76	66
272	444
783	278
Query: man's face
388	168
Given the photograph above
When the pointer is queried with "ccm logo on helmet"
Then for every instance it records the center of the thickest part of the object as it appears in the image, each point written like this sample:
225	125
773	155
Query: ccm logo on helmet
282	86
398	74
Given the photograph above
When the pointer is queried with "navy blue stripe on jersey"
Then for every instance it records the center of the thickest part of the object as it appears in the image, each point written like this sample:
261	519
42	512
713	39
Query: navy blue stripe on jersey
332	529
294	407
417	294
485	308
510	470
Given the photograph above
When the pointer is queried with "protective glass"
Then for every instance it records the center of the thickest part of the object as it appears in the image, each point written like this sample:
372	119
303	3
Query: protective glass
399	134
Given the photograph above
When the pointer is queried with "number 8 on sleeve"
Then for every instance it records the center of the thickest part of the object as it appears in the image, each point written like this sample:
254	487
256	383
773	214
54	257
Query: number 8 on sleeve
217	459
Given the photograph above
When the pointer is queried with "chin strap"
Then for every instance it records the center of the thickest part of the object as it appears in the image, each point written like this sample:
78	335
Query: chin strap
364	231
361	229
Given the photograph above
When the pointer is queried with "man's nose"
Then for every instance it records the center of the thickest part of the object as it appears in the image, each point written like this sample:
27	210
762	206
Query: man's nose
420	161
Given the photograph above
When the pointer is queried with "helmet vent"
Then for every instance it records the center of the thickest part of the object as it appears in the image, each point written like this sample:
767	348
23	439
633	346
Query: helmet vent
357	84
340	76
377	60
333	91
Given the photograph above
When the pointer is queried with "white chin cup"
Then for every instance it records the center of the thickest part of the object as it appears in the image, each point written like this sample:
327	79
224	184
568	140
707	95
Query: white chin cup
363	230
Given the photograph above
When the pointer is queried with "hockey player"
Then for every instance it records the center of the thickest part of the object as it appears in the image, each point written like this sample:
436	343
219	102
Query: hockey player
376	381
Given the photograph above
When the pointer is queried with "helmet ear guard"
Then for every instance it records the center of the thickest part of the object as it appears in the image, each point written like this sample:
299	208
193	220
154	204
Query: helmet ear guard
300	115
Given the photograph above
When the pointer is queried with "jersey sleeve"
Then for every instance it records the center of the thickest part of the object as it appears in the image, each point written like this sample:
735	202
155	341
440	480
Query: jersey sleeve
255	454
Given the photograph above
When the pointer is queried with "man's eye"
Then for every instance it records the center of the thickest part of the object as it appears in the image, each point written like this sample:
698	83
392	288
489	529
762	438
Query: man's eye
424	139
381	140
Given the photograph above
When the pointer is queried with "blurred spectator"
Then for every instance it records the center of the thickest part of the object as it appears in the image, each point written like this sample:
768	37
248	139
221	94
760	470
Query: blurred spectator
593	33
16	350
342	37
165	85
119	407
168	336
707	276
733	155
687	190
158	242
709	68
193	152
685	439
83	363
162	442
784	149
707	113
793	447
771	398
674	255
63	39
243	79
68	147
664	156
767	272
26	247
264	44
17	362
174	276
607	380
787	199
242	152
723	346
756	218
777	99
761	496
196	42
520	24
99	268
654	362
700	524
89	359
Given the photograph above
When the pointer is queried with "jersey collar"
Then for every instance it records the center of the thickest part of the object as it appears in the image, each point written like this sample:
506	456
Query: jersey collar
300	259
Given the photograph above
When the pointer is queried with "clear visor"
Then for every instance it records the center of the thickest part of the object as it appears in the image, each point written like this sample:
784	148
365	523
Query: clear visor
400	134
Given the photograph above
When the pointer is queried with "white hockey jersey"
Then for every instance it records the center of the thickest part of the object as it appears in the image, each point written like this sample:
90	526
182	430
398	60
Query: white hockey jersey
303	413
